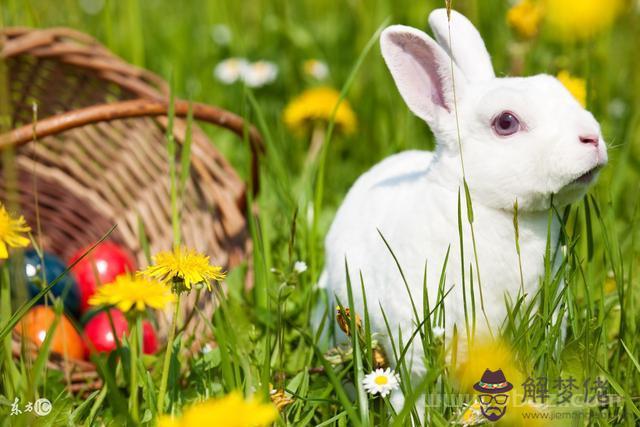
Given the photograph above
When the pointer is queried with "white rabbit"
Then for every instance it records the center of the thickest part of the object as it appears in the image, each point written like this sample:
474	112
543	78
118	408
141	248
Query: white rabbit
522	139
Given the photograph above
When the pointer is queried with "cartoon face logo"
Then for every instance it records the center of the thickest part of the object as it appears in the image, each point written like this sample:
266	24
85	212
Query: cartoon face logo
493	388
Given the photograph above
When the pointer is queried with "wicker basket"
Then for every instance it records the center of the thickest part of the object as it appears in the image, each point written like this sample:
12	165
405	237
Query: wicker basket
98	155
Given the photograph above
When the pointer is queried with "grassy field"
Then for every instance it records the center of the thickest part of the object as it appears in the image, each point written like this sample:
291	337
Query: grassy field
264	336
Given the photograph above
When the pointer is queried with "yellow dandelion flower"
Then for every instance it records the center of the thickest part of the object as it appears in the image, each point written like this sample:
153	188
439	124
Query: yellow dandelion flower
128	292
525	18
574	20
317	105
184	266
483	354
575	85
231	410
494	355
11	230
167	421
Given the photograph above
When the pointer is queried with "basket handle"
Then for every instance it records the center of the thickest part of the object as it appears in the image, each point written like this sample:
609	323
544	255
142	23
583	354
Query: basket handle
138	108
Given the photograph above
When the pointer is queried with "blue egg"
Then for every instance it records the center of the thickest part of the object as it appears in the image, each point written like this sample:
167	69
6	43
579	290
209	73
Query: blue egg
53	267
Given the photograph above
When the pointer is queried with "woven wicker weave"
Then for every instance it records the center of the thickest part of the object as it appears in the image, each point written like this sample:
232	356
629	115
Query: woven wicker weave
100	155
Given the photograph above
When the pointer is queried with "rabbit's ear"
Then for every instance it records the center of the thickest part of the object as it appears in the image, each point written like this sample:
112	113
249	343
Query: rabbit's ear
465	45
422	71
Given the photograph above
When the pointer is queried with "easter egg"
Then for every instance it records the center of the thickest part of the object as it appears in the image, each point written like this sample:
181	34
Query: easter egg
102	265
52	266
66	340
100	334
149	338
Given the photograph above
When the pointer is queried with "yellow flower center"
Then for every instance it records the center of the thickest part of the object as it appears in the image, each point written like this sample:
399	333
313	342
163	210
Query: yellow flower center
381	380
185	266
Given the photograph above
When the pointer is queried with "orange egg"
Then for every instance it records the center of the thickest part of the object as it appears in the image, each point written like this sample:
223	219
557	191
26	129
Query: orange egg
66	340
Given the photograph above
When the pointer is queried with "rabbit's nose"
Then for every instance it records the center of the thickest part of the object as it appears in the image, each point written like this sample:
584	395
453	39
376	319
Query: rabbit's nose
590	139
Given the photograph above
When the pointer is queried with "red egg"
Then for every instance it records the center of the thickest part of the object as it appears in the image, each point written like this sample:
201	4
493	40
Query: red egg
66	340
149	338
101	266
100	334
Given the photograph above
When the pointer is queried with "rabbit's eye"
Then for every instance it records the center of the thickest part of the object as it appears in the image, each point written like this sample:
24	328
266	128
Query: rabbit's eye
506	124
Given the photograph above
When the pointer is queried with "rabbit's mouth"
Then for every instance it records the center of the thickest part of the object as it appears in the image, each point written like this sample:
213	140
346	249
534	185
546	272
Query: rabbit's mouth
587	177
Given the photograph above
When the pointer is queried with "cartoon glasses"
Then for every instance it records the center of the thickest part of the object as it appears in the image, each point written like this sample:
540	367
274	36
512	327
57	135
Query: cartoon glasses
500	399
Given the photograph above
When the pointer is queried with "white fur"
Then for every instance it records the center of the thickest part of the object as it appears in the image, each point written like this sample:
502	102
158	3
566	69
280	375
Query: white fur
466	48
412	197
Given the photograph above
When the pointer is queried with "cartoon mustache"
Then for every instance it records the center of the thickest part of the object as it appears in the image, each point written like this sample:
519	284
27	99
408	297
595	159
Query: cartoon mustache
493	413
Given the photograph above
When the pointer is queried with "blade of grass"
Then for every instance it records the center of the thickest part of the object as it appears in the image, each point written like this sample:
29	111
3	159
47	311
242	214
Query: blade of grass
44	350
74	416
358	370
339	389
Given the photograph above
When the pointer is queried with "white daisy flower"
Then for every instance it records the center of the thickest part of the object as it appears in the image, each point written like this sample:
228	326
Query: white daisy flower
230	70
259	73
300	267
316	69
438	332
382	381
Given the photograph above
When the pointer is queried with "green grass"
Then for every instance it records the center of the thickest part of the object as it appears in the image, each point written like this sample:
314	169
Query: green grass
264	336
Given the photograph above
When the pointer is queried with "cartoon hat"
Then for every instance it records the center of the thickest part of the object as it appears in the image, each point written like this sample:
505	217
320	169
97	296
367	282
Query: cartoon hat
493	382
